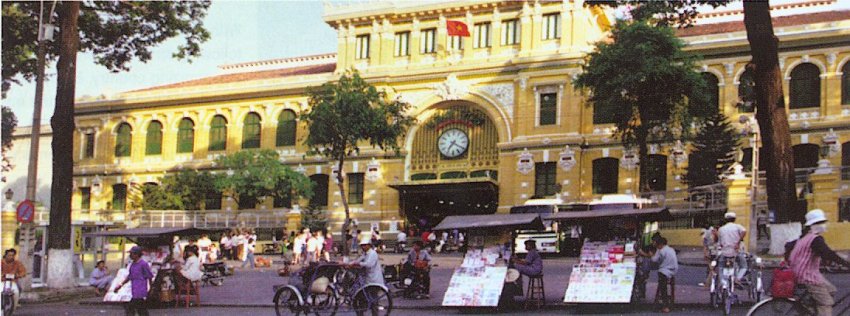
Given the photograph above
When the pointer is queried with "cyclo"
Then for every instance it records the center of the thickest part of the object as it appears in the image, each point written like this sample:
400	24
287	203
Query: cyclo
723	283
320	289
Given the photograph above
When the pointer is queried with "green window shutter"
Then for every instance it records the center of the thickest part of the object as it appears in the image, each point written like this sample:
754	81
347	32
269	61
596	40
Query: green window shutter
355	188
119	197
212	200
712	89
655	173
153	139
606	174
845	84
746	92
545	184
186	136
246	202
123	140
251	131
89	139
286	129
320	190
218	134
548	108
85	198
805	86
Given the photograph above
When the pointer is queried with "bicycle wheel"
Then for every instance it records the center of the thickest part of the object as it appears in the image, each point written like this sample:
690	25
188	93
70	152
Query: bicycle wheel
714	299
725	296
8	304
286	302
777	306
324	303
372	300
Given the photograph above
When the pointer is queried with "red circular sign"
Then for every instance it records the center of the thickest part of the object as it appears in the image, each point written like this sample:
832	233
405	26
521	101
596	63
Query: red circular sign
26	211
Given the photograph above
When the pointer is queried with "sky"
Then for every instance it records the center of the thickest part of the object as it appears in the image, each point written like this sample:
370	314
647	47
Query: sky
240	31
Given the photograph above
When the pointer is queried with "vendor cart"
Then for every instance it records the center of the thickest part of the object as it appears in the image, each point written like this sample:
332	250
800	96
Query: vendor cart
156	243
609	270
480	279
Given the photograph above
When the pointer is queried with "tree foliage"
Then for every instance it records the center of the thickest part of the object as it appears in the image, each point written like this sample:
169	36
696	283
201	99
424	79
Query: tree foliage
646	82
10	122
257	174
184	190
115	32
714	148
346	113
314	218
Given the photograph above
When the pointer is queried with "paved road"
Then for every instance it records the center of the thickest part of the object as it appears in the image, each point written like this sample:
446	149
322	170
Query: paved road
95	310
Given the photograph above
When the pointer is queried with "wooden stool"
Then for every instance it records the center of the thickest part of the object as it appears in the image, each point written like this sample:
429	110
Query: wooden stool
187	290
672	287
536	293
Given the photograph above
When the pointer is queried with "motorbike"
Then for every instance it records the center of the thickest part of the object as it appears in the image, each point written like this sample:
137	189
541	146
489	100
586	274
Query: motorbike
8	295
406	281
401	247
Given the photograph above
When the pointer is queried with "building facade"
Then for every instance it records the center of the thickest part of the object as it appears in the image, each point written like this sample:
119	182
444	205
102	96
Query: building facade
498	119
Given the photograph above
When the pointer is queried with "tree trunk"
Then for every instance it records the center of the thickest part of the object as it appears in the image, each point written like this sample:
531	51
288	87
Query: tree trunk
641	136
340	180
770	112
60	255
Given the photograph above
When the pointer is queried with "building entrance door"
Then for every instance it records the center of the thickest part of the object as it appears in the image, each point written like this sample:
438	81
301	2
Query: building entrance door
425	203
39	255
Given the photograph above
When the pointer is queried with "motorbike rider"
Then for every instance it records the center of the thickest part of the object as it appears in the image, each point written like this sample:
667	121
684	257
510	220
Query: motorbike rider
13	270
730	237
804	257
418	266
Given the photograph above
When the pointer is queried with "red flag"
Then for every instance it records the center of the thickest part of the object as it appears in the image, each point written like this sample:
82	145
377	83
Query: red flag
457	28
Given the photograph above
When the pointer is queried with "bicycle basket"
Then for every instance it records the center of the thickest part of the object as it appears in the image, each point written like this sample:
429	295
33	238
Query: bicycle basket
783	284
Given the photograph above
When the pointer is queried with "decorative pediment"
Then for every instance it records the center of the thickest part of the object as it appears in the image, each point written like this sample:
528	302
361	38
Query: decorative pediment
567	159
451	89
504	93
525	163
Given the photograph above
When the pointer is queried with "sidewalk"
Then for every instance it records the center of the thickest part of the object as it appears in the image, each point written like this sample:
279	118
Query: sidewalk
253	288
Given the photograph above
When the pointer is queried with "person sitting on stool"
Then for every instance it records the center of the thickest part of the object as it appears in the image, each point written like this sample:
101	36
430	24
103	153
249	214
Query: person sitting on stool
667	263
417	265
532	265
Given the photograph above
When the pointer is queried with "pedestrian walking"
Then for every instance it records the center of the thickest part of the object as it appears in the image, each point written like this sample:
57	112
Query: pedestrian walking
329	246
225	245
249	253
140	275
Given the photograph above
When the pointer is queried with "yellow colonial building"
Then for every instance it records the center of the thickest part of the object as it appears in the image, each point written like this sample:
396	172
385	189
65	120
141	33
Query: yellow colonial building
498	119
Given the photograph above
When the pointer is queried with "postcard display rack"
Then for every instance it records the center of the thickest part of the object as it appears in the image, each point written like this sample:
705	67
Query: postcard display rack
605	273
478	281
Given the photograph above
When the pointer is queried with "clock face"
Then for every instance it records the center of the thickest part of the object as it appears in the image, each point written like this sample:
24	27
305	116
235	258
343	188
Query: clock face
453	143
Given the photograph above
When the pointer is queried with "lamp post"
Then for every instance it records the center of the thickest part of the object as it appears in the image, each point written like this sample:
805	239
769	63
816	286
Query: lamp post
754	216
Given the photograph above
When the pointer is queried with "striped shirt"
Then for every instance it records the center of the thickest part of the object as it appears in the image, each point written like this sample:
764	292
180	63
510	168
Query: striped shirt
804	262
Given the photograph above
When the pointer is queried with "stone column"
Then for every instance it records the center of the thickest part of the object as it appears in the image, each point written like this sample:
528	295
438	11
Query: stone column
825	193
525	30
739	200
468	46
9	225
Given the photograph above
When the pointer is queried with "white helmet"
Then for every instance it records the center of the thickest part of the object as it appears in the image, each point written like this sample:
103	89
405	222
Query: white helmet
730	215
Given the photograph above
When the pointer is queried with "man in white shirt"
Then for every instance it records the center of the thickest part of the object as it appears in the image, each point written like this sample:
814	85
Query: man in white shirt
369	262
204	247
729	238
313	248
401	241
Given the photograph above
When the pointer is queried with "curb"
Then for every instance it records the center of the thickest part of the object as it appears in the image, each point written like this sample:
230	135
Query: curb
556	306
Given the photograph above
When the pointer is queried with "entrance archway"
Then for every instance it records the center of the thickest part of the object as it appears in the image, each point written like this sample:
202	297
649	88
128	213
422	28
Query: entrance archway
453	165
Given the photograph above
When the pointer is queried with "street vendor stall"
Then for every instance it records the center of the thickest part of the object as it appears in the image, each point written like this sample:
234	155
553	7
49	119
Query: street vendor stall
609	270
156	243
479	281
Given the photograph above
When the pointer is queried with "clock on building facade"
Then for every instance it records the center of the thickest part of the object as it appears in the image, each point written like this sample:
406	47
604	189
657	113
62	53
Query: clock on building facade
453	143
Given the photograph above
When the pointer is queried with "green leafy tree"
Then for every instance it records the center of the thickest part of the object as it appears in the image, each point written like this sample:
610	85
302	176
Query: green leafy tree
314	218
715	145
347	113
258	174
10	122
185	190
116	33
768	97
648	85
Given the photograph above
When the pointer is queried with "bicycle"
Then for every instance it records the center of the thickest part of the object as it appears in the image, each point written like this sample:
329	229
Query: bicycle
801	304
343	286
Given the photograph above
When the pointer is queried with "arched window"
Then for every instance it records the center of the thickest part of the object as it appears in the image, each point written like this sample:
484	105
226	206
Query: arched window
153	139
845	84
805	86
606	174
320	190
712	89
218	133
251	131
806	155
746	92
123	140
654	173
845	161
186	136
286	128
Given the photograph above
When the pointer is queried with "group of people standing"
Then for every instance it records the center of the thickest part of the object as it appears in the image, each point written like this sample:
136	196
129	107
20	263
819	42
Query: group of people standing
239	244
310	247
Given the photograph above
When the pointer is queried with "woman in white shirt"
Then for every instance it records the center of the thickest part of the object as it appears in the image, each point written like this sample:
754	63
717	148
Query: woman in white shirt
191	269
249	254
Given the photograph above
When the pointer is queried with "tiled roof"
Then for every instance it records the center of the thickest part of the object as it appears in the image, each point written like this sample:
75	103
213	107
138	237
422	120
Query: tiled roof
783	21
248	76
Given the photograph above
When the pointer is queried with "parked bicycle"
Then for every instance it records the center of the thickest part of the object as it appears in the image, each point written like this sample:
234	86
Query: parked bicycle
801	304
8	295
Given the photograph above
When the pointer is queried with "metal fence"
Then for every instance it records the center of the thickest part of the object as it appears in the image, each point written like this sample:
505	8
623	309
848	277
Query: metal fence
213	218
